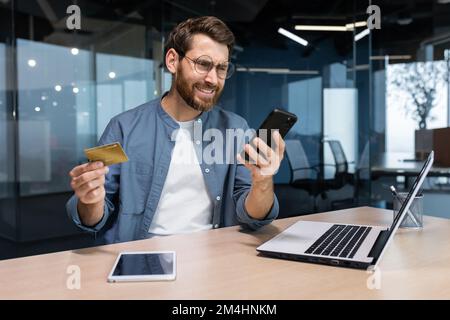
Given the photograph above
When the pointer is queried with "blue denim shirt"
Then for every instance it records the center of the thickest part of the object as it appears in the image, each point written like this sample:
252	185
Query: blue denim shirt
133	188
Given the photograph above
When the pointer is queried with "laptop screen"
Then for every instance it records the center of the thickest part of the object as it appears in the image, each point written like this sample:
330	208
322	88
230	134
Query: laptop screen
406	204
413	191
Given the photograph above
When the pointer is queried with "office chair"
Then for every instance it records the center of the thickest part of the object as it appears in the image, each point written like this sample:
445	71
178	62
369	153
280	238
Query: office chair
303	175
342	176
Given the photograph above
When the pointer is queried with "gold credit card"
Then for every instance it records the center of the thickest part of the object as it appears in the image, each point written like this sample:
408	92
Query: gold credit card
108	154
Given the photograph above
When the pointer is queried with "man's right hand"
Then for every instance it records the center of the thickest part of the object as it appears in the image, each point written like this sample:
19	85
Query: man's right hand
88	183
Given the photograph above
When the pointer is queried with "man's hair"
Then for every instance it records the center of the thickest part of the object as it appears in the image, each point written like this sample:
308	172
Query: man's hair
180	37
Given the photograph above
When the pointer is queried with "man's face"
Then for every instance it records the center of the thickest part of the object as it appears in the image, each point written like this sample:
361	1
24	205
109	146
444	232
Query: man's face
201	91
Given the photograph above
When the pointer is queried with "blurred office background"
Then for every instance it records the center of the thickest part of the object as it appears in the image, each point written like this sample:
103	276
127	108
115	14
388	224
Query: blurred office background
361	98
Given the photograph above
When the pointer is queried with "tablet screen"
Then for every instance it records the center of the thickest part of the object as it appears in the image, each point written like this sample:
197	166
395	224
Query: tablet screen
145	264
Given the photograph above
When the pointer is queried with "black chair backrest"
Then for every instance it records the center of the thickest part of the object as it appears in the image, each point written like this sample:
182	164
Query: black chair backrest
339	156
300	167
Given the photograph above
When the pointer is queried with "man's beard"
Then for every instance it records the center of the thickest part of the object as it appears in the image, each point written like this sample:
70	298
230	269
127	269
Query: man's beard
187	92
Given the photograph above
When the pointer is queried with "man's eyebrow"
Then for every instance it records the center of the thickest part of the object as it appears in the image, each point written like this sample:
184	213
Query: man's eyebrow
218	63
223	61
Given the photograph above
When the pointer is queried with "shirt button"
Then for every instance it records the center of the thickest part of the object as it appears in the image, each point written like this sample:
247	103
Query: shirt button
207	170
199	120
218	198
216	226
197	142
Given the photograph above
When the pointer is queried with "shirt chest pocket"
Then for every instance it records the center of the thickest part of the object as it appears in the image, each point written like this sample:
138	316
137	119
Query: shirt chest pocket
134	187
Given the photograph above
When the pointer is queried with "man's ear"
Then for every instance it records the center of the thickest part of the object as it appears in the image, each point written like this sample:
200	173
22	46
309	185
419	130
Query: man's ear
172	59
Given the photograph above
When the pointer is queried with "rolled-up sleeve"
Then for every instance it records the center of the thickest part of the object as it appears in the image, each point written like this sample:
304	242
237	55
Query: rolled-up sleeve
111	134
242	186
252	223
71	207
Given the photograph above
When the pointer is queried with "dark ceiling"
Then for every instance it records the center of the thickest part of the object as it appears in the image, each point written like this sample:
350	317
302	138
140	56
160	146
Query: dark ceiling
406	24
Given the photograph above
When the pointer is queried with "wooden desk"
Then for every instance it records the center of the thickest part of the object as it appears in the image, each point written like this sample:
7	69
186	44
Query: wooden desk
223	264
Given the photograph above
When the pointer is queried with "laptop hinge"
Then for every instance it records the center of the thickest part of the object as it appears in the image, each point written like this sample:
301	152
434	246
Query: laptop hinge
379	244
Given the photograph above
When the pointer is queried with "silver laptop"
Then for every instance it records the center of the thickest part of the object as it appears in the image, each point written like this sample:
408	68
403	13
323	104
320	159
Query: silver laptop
343	245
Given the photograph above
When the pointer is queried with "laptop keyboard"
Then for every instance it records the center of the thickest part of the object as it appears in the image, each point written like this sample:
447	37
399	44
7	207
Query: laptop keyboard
340	241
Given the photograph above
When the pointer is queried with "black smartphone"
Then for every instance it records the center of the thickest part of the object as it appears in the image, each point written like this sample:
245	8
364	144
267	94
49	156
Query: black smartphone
278	119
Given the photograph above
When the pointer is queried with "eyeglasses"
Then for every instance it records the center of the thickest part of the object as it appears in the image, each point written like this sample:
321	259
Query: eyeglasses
204	65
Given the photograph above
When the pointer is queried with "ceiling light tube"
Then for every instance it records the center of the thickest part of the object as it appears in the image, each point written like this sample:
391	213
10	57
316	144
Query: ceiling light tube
351	26
320	28
292	36
347	27
362	34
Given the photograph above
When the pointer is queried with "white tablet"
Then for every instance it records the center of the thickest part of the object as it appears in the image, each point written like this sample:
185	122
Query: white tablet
144	266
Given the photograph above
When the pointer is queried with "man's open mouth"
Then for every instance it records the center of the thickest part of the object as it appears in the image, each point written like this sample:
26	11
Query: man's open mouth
206	90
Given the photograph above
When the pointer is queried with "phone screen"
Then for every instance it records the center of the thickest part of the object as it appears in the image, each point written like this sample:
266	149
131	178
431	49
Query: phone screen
145	264
278	120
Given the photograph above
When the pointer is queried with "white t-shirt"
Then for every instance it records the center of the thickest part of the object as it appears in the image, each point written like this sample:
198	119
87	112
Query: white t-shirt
185	205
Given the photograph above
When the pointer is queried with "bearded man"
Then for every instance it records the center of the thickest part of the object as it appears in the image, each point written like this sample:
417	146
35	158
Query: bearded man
156	193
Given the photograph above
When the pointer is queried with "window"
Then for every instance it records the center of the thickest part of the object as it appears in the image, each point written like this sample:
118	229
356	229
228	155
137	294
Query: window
65	105
416	97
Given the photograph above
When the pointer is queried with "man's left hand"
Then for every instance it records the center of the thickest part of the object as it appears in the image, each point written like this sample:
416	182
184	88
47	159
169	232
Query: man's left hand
263	168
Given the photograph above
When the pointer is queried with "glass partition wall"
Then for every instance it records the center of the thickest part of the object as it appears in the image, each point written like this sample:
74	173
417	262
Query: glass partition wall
58	89
409	63
8	187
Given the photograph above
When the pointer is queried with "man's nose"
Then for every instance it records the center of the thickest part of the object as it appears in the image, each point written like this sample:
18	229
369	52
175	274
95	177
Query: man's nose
211	76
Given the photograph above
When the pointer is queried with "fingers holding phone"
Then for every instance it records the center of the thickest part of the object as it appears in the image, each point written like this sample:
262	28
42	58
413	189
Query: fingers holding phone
261	157
263	161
